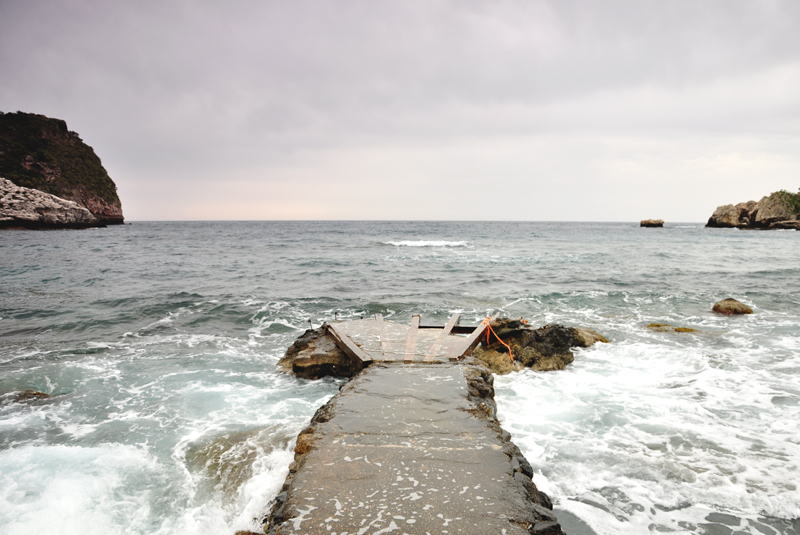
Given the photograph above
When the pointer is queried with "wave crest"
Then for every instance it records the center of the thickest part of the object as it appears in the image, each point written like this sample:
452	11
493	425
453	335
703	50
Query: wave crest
426	243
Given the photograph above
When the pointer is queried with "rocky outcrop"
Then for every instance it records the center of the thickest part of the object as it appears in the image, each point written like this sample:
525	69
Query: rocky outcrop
544	349
731	307
33	209
315	354
656	223
40	153
779	210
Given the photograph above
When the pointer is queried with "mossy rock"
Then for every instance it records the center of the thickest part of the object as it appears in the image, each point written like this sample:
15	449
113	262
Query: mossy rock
731	307
667	328
547	348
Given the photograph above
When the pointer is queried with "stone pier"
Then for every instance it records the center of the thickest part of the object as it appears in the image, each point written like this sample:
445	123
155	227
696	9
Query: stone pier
411	448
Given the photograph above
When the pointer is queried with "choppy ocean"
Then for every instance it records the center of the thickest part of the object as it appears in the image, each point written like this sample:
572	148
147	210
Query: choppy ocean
158	344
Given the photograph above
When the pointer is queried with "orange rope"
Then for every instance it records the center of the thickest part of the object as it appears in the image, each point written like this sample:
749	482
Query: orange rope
498	339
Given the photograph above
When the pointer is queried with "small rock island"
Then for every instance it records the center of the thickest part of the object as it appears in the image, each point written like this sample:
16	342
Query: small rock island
779	210
50	178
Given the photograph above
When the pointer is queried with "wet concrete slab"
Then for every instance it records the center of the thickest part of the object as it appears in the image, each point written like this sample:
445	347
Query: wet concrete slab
411	448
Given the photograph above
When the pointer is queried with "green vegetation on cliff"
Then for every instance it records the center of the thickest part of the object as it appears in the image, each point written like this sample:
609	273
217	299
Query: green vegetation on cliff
790	200
41	153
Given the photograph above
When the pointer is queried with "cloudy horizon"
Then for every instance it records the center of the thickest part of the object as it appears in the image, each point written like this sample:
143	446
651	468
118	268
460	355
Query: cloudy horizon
434	110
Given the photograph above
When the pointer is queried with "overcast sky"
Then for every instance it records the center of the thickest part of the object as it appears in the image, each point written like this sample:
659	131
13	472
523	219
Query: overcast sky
431	109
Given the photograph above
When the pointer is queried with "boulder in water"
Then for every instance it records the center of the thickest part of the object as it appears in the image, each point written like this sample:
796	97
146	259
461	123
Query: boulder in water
731	307
655	223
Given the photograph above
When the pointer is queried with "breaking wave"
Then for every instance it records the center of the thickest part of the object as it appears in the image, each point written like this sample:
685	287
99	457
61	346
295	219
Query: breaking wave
427	243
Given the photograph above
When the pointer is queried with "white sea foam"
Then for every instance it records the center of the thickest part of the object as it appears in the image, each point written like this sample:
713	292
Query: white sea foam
633	429
427	243
82	491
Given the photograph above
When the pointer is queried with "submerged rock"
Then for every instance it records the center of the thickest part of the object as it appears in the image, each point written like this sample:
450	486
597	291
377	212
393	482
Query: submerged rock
651	223
315	354
731	307
226	461
779	210
667	328
21	396
34	209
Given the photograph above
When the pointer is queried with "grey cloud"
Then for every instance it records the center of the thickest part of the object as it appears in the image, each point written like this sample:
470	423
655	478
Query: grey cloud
167	85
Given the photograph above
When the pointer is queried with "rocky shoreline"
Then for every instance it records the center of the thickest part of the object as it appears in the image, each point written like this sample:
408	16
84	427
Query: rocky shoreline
779	210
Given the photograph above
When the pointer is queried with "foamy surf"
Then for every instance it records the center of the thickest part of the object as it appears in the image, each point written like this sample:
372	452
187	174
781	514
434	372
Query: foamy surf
641	437
427	243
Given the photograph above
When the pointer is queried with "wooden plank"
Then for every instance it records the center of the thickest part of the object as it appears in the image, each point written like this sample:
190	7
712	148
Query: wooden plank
386	346
411	342
470	341
458	329
347	345
434	349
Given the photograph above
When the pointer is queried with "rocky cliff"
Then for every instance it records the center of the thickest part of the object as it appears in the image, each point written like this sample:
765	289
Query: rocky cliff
41	153
779	210
31	208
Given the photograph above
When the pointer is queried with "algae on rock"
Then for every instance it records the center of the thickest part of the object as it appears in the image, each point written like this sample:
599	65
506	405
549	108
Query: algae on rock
547	348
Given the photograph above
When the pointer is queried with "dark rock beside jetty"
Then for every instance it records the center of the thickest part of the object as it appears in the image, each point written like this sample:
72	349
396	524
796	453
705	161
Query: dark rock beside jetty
656	223
779	210
315	354
731	307
34	209
547	348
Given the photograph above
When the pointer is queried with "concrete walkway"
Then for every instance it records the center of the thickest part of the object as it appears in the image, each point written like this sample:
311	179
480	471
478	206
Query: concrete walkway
413	449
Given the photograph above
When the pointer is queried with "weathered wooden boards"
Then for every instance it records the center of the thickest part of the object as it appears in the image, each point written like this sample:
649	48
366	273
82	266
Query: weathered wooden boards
377	340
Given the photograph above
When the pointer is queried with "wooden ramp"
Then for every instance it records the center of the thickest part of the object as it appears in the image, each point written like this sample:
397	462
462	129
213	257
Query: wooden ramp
377	340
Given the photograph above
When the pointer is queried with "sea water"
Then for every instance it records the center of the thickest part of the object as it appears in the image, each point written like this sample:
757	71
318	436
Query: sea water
158	343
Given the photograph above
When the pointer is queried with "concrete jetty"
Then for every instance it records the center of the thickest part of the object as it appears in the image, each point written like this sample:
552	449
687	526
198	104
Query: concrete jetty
411	447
